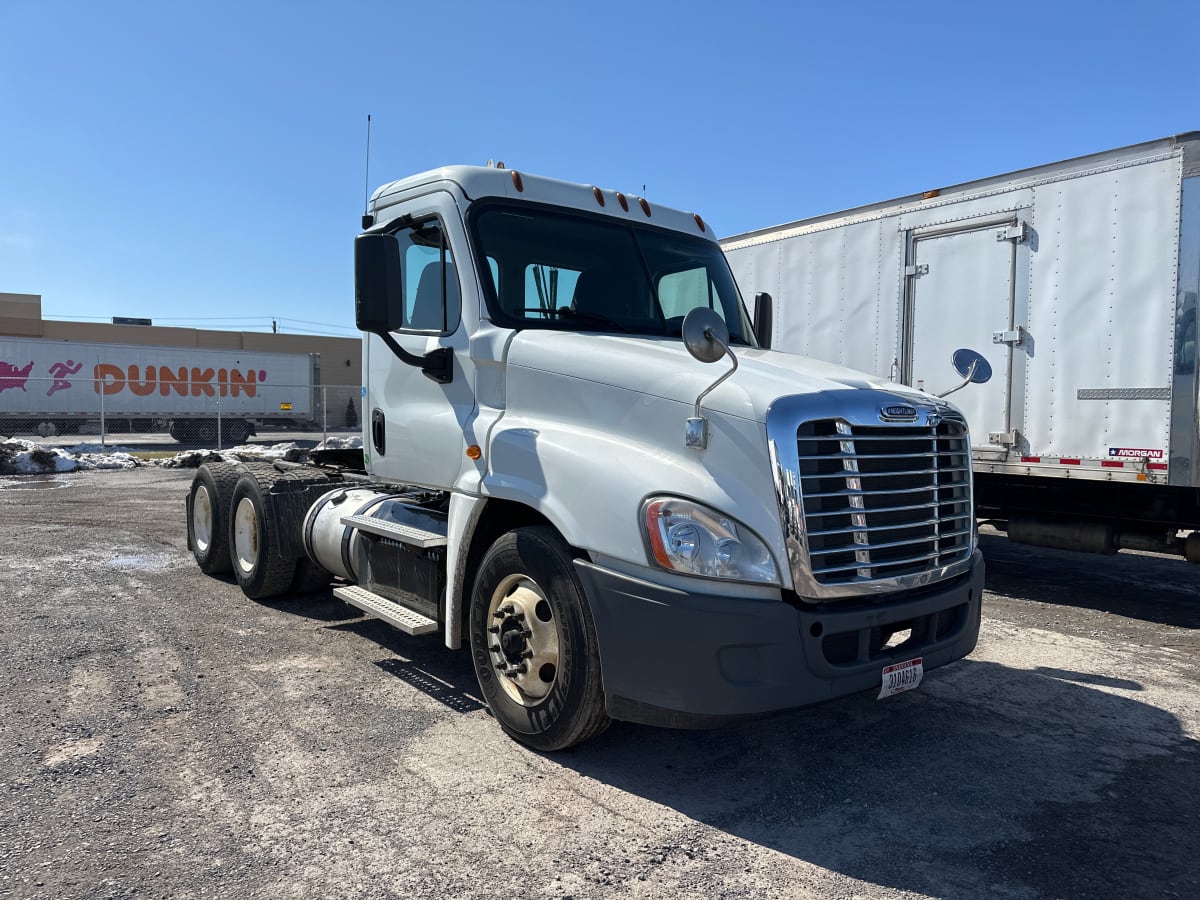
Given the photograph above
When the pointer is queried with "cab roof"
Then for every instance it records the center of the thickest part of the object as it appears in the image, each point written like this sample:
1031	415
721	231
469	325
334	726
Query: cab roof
476	182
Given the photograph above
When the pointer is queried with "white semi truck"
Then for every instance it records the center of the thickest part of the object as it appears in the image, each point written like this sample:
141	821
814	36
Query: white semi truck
196	394
1079	281
580	462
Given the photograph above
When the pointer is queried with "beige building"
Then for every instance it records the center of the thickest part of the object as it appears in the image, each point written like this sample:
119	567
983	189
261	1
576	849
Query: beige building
341	358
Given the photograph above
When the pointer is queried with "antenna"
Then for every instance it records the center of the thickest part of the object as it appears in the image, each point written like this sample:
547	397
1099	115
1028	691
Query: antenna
367	220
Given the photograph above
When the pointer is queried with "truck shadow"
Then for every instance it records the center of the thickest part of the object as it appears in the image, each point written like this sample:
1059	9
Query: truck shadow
1164	590
1043	782
988	778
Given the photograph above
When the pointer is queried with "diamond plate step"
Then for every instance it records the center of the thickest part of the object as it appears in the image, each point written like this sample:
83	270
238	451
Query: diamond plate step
405	534
393	613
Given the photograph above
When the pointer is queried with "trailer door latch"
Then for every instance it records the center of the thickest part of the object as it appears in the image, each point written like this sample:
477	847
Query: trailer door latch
1017	233
921	269
1016	337
1002	438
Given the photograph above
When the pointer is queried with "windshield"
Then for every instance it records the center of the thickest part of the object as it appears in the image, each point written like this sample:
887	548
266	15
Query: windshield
573	272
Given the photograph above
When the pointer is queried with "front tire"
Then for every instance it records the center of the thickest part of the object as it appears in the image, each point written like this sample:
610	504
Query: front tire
254	539
533	642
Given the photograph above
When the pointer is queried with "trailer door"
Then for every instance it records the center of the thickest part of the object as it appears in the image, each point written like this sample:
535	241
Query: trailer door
960	293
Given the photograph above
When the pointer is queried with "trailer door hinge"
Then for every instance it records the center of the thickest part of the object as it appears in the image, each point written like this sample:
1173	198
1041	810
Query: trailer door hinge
922	269
1002	438
1016	233
1016	337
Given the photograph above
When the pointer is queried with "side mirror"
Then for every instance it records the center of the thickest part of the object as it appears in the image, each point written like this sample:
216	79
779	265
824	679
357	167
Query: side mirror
707	338
763	317
971	365
973	368
705	334
378	287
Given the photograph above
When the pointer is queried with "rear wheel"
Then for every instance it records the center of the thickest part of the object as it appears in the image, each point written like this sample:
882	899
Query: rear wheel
236	431
204	430
208	533
254	539
533	642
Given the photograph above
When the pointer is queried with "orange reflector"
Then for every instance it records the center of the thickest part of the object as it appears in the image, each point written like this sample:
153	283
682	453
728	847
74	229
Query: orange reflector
516	177
929	195
645	206
1141	476
473	452
699	221
624	203
599	195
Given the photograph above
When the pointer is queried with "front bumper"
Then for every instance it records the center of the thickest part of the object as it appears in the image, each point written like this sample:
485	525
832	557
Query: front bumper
689	660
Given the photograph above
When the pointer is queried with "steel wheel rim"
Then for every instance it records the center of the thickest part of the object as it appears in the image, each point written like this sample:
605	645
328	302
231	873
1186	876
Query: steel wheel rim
245	536
522	640
202	526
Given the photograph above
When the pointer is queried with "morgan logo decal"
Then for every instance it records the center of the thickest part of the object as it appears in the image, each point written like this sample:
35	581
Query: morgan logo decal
1135	453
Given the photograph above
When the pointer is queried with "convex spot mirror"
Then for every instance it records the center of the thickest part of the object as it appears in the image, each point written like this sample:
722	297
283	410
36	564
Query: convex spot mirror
378	287
705	334
971	365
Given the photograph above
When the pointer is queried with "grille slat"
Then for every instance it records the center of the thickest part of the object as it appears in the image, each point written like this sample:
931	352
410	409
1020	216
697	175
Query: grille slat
884	501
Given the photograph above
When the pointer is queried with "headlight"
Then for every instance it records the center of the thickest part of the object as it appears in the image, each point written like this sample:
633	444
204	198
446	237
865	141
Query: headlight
692	539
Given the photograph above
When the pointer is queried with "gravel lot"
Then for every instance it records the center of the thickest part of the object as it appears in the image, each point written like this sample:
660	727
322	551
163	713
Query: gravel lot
163	737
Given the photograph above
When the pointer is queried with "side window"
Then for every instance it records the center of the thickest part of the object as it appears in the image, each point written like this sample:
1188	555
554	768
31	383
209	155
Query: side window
681	292
431	294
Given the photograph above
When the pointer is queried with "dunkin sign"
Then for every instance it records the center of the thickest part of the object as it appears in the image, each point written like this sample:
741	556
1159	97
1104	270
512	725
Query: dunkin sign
183	381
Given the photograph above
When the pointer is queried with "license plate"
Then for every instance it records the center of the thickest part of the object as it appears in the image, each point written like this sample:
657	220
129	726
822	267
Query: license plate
900	677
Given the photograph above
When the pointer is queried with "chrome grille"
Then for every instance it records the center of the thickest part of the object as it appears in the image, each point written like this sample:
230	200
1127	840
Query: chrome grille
884	501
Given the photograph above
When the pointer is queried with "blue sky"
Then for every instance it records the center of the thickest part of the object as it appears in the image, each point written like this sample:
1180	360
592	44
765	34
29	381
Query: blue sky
202	164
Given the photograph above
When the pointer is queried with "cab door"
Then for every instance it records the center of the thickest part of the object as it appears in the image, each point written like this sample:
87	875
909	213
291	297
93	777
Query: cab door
414	427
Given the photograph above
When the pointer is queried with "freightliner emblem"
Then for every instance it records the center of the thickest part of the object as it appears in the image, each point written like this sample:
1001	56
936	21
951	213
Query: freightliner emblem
898	413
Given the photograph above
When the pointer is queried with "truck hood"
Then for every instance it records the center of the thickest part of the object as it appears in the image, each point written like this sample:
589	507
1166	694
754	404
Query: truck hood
662	367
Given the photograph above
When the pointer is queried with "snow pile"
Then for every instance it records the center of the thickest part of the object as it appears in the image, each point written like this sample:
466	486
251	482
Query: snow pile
341	443
190	459
19	457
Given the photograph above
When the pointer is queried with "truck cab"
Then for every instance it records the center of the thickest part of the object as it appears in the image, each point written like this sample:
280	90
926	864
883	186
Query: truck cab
583	462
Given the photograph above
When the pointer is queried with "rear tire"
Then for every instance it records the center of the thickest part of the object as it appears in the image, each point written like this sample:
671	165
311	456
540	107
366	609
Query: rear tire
236	432
208	531
540	669
254	539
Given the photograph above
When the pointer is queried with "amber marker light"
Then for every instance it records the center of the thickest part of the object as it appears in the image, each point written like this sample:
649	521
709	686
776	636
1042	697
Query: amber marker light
473	452
654	512
517	183
699	221
599	195
929	195
624	203
645	206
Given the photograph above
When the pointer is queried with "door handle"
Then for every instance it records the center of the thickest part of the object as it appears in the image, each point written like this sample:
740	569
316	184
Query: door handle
378	433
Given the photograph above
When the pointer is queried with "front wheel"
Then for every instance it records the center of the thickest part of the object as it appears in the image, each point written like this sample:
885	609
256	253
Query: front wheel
533	642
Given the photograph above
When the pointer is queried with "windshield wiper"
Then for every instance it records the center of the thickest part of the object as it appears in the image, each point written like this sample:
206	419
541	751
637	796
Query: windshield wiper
565	312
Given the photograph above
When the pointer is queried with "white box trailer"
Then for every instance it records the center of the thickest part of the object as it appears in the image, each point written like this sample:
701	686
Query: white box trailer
49	387
1078	280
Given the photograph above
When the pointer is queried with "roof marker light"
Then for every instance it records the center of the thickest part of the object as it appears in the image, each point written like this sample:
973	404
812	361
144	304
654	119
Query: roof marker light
517	183
645	206
624	203
929	195
599	195
699	221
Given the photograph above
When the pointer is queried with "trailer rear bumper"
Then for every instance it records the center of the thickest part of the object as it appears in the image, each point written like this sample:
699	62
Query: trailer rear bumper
684	660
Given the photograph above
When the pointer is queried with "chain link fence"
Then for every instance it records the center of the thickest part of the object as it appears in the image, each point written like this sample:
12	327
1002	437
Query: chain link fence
206	414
